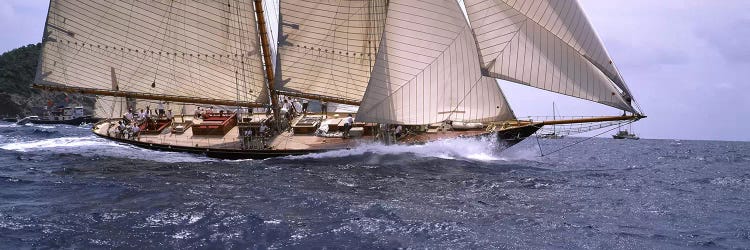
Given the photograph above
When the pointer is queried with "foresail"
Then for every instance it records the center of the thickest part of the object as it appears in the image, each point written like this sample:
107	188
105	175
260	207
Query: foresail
427	70
328	47
109	107
194	49
546	44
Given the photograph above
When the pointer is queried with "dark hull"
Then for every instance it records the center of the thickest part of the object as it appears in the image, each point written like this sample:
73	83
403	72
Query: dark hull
507	138
625	137
217	153
75	122
513	136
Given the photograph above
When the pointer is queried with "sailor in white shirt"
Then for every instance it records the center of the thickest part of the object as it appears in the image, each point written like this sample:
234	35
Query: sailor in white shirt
348	122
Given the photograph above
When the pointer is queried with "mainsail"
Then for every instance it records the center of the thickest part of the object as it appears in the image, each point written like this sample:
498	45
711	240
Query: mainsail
328	47
201	51
546	44
427	70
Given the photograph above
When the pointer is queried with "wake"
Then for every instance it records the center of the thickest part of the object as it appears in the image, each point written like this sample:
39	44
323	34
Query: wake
475	149
93	146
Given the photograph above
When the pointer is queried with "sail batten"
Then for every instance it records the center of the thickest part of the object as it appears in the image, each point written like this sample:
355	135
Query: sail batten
427	70
199	50
548	45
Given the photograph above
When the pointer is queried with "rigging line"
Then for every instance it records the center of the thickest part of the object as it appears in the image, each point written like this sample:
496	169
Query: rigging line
578	142
333	20
166	25
541	151
441	55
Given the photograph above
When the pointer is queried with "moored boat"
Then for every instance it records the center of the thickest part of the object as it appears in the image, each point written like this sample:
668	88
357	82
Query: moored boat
67	115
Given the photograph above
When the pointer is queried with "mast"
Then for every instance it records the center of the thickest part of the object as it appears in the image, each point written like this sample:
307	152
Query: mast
594	119
143	95
267	58
553	118
332	99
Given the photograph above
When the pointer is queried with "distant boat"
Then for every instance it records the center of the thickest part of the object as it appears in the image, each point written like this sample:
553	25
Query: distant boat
624	134
68	115
27	119
553	134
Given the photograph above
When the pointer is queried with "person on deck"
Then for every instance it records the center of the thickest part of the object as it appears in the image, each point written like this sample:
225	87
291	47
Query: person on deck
296	106
248	138
324	107
304	106
120	130
263	129
129	117
286	110
136	132
348	122
141	116
161	109
399	131
170	116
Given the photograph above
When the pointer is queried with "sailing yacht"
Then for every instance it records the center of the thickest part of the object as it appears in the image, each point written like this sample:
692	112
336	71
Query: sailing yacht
231	73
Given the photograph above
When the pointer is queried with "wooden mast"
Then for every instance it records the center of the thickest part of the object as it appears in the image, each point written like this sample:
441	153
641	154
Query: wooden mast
592	119
146	96
319	97
267	58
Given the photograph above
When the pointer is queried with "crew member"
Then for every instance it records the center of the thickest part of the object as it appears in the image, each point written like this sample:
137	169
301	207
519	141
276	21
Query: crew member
348	122
304	106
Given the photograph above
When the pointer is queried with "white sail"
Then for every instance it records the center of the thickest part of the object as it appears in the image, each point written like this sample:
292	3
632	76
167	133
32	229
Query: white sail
202	49
271	14
328	47
109	107
427	70
546	44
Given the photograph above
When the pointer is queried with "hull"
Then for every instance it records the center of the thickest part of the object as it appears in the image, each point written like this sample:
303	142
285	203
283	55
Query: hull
631	137
513	136
506	137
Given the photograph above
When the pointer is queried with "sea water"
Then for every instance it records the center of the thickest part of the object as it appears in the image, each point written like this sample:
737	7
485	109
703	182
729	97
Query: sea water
62	187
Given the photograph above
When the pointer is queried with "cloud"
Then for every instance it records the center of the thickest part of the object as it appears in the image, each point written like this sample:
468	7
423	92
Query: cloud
732	40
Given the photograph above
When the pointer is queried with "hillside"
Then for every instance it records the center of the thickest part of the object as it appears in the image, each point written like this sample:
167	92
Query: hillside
17	70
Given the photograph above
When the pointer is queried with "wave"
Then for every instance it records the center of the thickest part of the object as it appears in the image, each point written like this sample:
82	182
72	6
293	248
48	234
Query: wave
477	149
95	146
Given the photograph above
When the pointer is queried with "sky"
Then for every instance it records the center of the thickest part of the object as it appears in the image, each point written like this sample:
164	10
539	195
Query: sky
684	61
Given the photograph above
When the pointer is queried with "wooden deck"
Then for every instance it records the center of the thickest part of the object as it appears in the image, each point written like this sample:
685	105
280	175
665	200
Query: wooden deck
287	140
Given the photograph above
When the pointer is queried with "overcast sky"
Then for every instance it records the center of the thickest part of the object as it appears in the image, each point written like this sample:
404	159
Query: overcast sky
684	60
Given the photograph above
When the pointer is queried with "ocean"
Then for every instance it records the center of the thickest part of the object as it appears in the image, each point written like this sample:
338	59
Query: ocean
62	187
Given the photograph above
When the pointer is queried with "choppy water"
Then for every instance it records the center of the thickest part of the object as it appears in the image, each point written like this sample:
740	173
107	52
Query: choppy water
62	187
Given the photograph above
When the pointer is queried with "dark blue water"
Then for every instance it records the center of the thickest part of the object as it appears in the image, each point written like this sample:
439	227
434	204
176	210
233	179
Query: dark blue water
61	187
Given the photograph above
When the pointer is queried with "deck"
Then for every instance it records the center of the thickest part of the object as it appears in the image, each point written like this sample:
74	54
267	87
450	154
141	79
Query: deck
285	141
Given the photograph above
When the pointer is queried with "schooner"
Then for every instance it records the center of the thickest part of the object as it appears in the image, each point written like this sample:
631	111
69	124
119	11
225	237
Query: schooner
231	73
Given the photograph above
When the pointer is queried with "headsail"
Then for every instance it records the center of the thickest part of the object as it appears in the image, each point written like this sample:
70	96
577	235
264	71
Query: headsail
427	70
109	107
546	44
195	50
328	47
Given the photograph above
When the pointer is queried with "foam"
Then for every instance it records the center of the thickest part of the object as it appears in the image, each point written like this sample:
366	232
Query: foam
95	146
458	148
